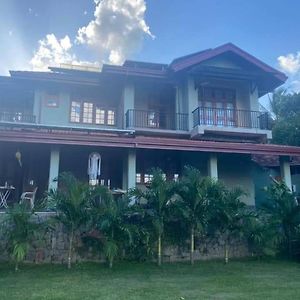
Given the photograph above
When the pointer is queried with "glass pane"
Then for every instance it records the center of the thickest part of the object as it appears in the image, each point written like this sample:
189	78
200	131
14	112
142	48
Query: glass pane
87	112
75	111
220	114
100	116
110	117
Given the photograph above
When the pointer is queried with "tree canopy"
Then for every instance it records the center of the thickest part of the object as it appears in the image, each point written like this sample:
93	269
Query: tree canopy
286	109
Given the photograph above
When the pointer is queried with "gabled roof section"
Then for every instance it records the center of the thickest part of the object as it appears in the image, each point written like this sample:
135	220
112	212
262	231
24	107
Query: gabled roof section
186	62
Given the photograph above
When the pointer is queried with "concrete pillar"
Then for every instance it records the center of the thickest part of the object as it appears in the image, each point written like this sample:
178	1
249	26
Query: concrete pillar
53	168
192	99
285	170
128	102
129	169
213	166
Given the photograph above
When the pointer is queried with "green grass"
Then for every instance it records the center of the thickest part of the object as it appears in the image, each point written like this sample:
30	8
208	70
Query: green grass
205	280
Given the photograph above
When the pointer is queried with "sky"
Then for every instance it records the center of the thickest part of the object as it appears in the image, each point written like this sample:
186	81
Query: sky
37	33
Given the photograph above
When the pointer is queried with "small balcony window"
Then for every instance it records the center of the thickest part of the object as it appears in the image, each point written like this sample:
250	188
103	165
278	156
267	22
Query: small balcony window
90	113
87	112
75	111
52	100
110	117
100	116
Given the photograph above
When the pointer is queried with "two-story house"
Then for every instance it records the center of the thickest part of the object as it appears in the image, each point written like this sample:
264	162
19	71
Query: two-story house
201	109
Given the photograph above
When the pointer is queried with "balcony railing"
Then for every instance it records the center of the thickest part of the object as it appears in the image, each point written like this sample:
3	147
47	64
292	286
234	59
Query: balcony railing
16	117
231	118
156	120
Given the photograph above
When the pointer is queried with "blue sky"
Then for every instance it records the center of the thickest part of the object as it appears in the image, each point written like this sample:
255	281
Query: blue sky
156	30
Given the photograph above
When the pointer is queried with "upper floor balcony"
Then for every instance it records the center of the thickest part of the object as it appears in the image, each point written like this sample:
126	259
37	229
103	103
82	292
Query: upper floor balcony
233	121
155	120
16	117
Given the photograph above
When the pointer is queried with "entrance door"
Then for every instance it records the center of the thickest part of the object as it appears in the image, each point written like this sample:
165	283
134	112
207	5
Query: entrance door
217	107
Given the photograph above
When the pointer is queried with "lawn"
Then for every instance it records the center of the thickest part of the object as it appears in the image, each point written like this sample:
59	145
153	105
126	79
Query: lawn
205	280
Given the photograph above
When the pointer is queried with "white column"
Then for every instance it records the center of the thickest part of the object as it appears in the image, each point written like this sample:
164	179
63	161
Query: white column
129	169
192	95
213	166
285	171
128	101
53	168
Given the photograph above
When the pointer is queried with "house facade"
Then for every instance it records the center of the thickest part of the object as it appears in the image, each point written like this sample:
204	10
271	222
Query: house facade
201	110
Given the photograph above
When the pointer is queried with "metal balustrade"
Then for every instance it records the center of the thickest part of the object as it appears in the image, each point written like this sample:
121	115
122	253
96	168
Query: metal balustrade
231	118
156	120
16	117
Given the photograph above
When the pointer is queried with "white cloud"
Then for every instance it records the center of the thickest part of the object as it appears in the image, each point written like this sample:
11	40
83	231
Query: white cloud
53	52
290	64
117	30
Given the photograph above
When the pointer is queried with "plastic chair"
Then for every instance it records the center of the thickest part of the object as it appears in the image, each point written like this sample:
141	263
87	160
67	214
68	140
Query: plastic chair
29	196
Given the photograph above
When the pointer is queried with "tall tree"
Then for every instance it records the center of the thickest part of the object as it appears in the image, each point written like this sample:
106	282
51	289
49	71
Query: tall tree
71	202
286	109
110	217
227	214
157	198
194	203
284	213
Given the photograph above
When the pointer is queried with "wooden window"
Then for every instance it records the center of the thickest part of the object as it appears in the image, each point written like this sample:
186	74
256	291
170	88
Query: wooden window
111	117
87	112
100	116
217	106
75	111
52	100
147	178
138	178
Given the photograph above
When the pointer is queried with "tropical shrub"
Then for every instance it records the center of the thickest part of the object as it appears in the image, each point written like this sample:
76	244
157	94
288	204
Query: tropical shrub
156	202
227	214
110	217
193	204
22	232
283	213
71	202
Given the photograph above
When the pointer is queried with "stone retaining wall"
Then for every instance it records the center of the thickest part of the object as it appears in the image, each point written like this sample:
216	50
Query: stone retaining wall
54	248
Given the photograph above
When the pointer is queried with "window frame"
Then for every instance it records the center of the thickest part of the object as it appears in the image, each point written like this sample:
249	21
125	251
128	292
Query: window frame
95	107
48	96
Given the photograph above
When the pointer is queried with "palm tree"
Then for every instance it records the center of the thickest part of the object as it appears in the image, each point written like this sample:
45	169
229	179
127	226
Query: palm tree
159	197
21	231
109	217
71	201
283	211
227	213
193	205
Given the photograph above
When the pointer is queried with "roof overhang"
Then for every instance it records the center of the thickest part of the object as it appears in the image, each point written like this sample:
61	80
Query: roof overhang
91	138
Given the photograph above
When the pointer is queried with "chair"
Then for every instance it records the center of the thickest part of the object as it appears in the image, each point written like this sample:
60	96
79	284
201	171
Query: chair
29	196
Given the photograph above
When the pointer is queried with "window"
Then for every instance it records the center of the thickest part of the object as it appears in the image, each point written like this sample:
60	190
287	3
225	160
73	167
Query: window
100	116
176	177
138	178
147	178
89	113
51	100
217	106
110	117
75	111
